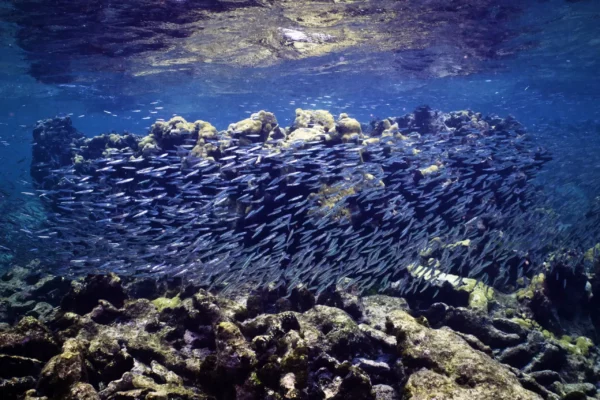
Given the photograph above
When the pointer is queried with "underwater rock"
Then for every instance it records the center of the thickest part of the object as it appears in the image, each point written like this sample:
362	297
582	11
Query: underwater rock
320	120
108	360
17	366
192	345
385	392
83	297
337	332
344	299
255	129
98	146
379	307
82	391
52	139
349	128
355	385
471	322
447	367
29	338
61	372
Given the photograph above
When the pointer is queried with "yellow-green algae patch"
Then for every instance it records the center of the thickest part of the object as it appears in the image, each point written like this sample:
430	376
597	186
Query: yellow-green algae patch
537	283
164	302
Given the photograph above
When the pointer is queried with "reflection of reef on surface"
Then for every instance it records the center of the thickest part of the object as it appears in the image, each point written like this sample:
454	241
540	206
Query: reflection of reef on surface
150	36
321	200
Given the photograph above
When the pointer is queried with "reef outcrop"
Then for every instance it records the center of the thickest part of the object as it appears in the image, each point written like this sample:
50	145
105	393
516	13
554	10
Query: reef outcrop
416	191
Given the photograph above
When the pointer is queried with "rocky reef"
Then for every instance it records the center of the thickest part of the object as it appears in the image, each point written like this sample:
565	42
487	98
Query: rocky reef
324	199
111	337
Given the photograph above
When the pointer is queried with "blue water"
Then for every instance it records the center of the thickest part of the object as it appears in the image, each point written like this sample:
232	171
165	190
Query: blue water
547	78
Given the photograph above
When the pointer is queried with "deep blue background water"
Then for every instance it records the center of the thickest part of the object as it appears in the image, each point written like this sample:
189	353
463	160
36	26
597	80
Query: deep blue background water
552	88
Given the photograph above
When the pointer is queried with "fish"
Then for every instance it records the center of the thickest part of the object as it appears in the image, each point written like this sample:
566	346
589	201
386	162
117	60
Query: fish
324	210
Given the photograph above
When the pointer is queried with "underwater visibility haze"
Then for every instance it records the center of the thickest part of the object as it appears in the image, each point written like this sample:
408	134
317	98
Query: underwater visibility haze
299	199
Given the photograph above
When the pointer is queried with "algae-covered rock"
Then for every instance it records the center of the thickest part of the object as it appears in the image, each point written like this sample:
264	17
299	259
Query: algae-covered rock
234	353
164	302
98	146
379	307
108	361
472	322
355	385
319	119
305	135
84	296
61	372
452	369
255	129
82	391
337	331
29	338
348	128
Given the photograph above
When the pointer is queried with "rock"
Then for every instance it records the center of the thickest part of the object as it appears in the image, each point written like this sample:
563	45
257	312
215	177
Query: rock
387	342
531	384
52	138
348	128
107	359
104	312
302	299
321	120
378	370
471	322
355	385
255	129
551	356
517	356
343	299
235	357
163	376
61	372
510	326
288	386
545	377
42	311
17	366
84	296
379	307
305	135
157	391
446	367
385	392
82	391
168	134
274	325
29	338
578	390
474	342
337	332
13	388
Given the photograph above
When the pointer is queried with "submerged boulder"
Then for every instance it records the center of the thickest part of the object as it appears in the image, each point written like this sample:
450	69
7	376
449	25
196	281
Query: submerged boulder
447	367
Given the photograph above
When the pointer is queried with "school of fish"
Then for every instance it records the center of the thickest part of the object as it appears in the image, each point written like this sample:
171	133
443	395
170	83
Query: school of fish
311	204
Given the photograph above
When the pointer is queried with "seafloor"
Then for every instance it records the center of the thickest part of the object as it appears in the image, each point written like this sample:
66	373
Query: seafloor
106	337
